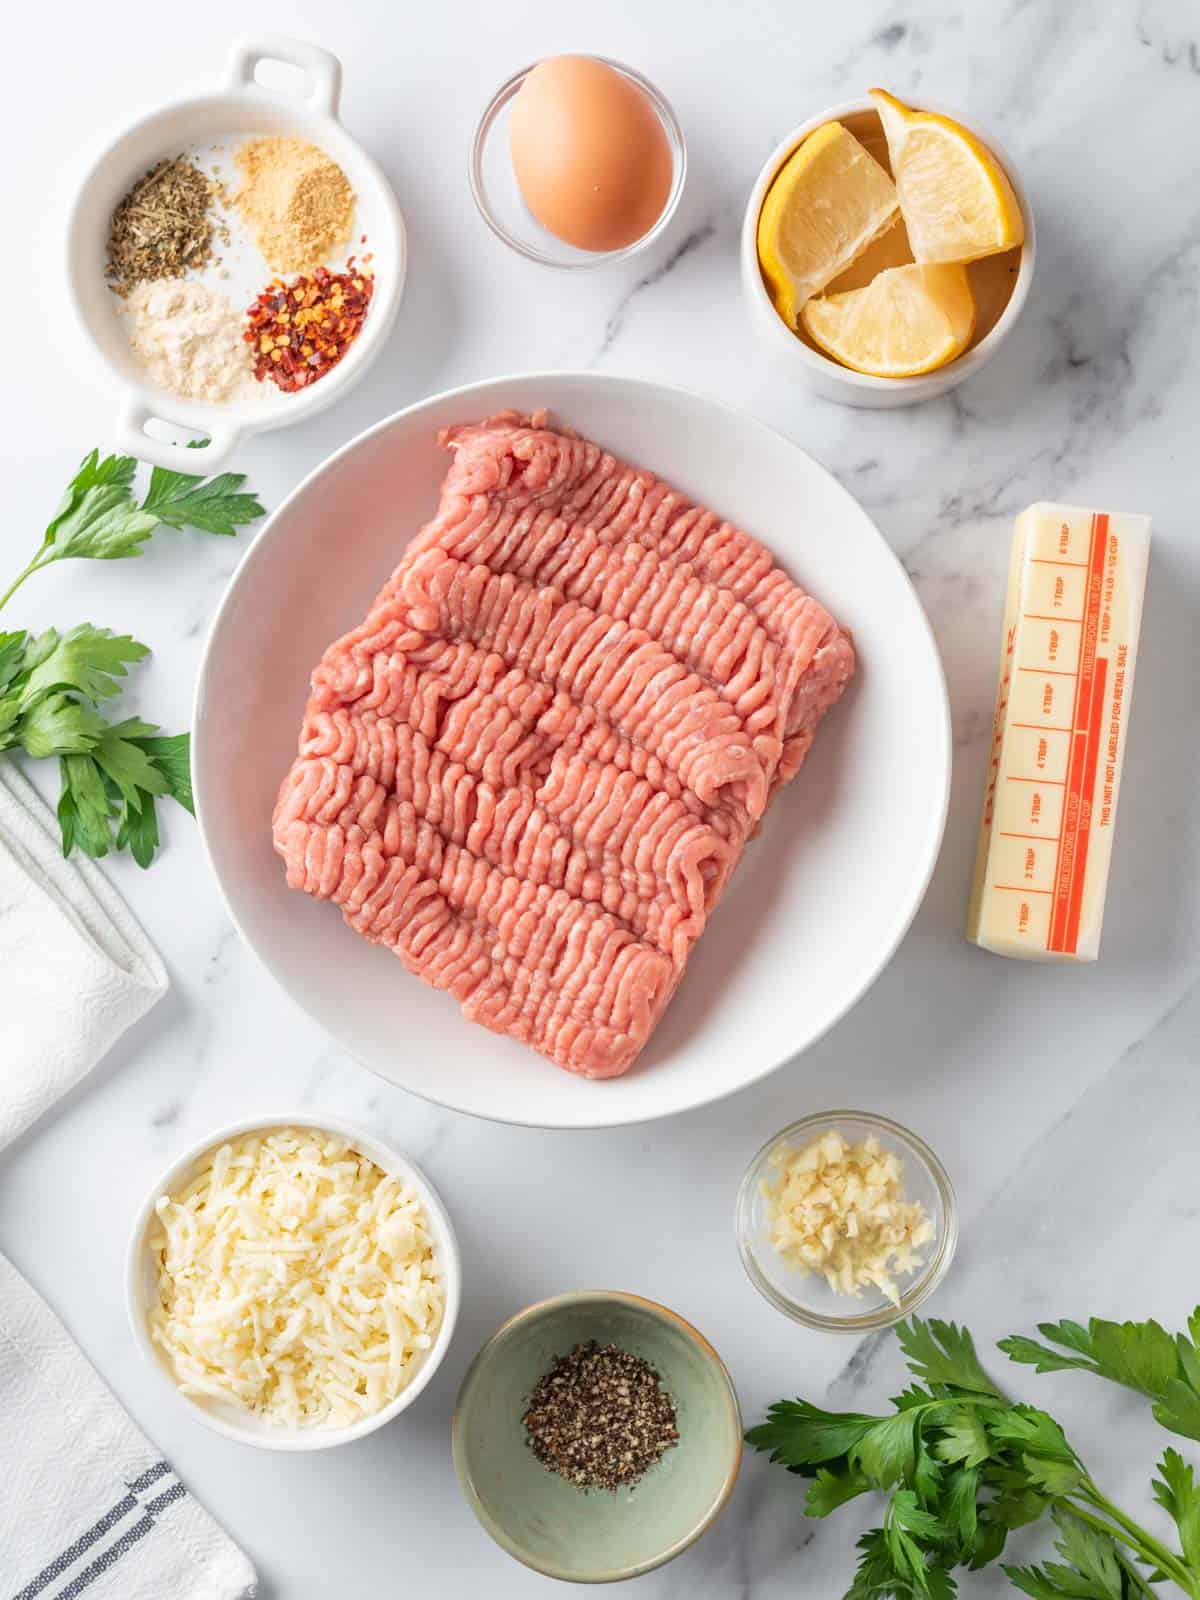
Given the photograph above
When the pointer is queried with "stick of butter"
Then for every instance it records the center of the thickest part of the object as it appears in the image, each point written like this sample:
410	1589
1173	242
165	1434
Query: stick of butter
1071	622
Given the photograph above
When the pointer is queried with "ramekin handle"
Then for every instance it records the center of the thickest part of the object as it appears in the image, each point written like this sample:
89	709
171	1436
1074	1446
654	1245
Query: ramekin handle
324	70
133	440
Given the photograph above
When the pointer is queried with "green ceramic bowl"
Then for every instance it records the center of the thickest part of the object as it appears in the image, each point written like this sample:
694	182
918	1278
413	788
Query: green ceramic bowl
598	1536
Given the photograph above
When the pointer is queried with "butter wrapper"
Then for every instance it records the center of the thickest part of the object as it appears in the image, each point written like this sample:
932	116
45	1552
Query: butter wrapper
1072	618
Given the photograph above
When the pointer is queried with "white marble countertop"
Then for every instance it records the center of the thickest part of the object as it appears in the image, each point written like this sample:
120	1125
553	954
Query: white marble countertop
1064	1102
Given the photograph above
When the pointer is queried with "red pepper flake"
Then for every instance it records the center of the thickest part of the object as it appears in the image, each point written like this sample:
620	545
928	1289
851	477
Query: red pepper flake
300	330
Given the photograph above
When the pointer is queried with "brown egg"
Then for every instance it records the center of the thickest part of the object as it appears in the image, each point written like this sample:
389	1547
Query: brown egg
589	152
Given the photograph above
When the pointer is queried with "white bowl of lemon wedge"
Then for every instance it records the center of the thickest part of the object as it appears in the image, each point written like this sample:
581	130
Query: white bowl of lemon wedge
887	251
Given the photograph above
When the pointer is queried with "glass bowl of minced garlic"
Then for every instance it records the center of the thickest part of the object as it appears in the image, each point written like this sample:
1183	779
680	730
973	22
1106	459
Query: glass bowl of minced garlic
846	1221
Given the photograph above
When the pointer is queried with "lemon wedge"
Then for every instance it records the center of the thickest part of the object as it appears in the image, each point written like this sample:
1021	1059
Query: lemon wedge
906	321
957	202
829	200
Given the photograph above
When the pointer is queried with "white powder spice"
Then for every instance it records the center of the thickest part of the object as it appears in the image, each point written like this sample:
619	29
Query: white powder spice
188	338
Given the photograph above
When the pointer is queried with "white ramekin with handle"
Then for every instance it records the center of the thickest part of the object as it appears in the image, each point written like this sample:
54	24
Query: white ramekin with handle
240	107
820	373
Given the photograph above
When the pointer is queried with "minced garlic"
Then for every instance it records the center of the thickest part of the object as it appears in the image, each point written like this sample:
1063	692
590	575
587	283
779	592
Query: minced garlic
839	1209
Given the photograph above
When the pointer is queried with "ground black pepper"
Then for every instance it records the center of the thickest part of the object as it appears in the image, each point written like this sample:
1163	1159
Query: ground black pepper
600	1418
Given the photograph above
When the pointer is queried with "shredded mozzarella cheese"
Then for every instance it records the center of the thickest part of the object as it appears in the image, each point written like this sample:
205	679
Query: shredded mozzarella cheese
839	1210
296	1279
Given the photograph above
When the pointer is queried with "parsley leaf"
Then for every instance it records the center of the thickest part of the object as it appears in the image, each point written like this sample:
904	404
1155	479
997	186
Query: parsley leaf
876	1574
102	524
88	659
905	1512
138	831
1179	1409
886	1453
37	648
964	1438
908	1523
1175	1490
12	656
960	1508
830	1489
879	1575
989	1540
185	500
1050	1464
111	773
943	1356
84	808
171	753
1071	1335
116	781
1091	1568
57	725
926	1476
1013	1501
94	471
1026	1428
1140	1355
126	764
801	1435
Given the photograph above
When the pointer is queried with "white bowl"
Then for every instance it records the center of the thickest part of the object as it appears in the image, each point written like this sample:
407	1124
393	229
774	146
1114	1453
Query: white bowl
826	890
241	107
223	1417
827	377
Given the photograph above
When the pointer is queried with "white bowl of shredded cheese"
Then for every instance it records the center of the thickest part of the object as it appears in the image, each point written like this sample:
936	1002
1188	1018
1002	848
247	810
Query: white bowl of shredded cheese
295	1281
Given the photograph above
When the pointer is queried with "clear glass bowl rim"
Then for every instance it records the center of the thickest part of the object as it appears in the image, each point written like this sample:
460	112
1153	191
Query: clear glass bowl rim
590	260
922	1287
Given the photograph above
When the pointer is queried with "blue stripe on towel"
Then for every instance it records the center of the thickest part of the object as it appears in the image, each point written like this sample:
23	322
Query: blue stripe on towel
62	1563
106	1559
71	1555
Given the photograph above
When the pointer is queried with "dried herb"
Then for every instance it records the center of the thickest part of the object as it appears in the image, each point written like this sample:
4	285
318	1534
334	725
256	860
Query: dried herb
299	330
163	227
600	1418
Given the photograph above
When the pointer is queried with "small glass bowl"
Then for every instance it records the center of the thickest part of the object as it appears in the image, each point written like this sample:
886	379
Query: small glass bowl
806	1297
498	195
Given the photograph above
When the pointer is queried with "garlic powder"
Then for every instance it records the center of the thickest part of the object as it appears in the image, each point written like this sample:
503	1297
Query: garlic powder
189	340
839	1210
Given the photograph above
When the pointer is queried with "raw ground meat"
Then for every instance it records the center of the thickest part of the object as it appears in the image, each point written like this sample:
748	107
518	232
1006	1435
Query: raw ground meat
532	769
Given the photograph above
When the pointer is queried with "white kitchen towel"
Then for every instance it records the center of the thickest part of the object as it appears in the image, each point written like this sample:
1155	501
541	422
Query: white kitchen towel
75	968
88	1506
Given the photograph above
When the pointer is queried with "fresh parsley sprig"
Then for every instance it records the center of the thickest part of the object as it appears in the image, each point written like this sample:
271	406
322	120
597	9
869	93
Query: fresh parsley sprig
963	1466
53	684
1140	1355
